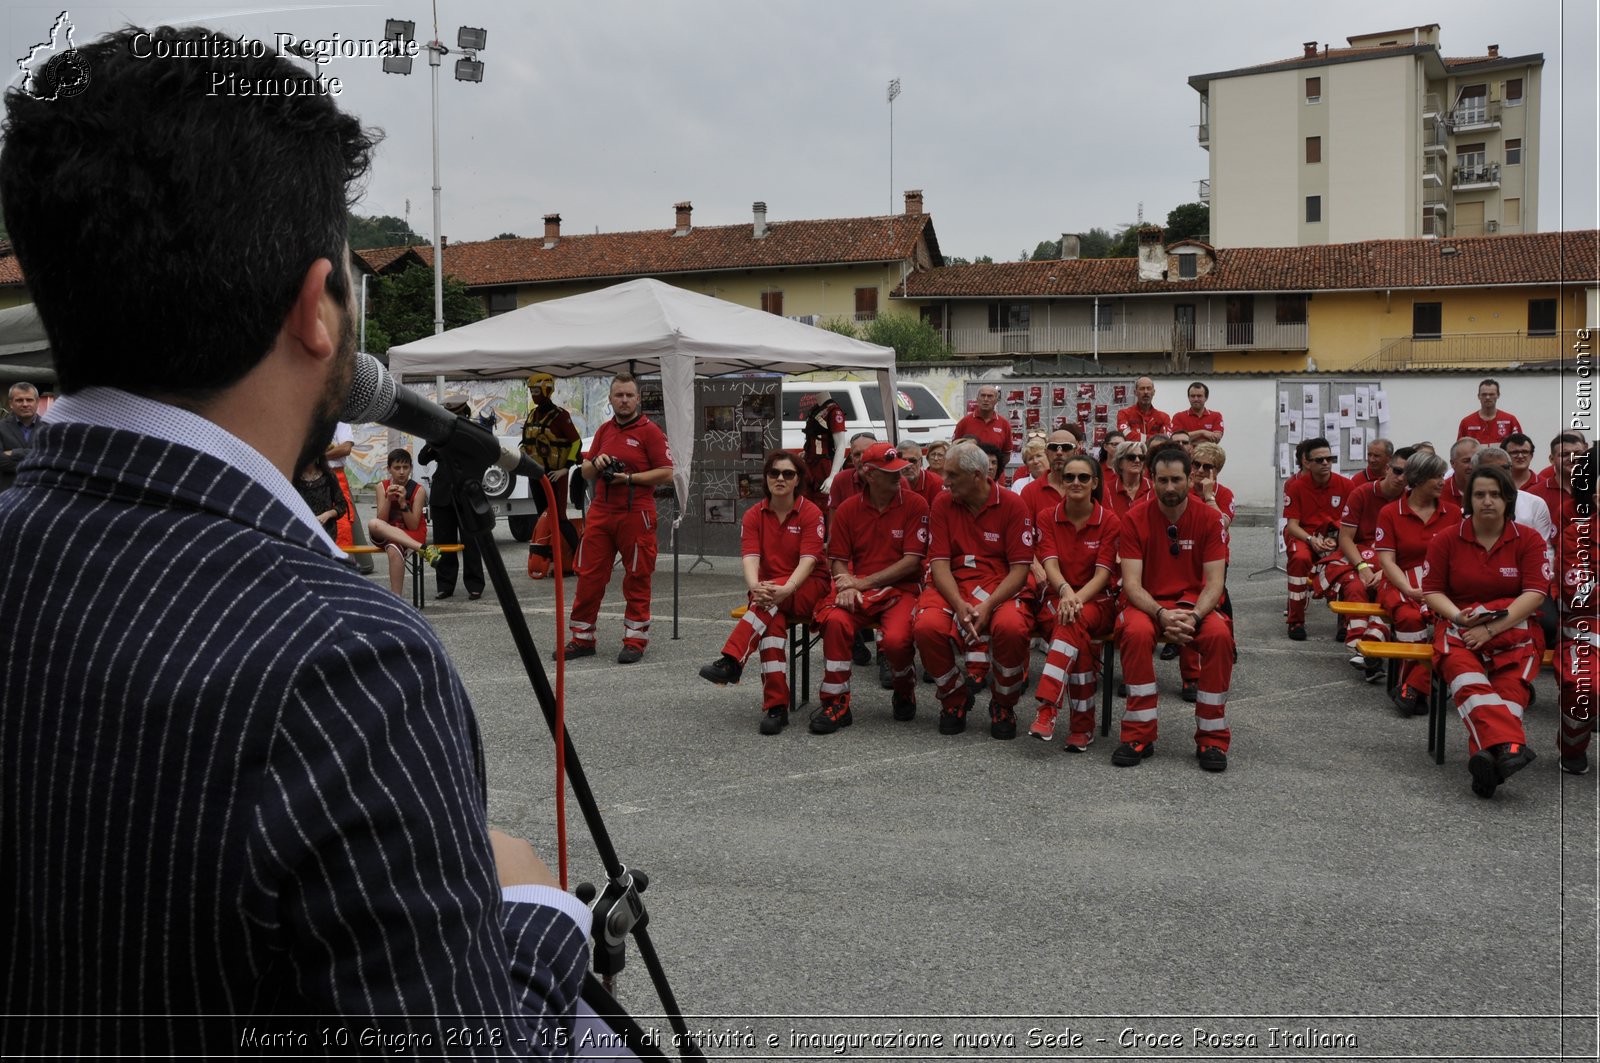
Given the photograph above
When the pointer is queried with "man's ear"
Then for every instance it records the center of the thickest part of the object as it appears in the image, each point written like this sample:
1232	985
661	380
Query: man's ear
306	324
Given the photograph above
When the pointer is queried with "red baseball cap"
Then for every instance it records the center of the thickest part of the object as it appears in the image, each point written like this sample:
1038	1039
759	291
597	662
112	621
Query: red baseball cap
883	457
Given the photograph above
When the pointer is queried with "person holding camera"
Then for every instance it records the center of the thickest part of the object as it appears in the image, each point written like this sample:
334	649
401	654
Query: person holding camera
1484	580
630	459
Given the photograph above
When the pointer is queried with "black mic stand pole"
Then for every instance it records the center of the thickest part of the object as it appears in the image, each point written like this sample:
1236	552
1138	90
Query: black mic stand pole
620	910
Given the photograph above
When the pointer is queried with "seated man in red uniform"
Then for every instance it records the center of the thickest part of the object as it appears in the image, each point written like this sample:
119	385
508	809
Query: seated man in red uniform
845	485
1142	420
986	425
1203	425
875	547
1312	503
981	544
1358	528
1488	424
1557	490
923	481
1174	556
631	458
1379	451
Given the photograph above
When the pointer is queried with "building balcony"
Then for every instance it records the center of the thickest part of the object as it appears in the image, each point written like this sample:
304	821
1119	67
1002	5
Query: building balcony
1205	190
1435	136
1205	134
1475	115
1430	105
1140	338
1475	177
1433	168
1469	350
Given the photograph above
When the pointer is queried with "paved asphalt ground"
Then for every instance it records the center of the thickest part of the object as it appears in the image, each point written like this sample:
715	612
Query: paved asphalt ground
886	880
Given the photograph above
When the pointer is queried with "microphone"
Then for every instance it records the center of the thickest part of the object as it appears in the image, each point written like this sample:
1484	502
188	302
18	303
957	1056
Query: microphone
375	398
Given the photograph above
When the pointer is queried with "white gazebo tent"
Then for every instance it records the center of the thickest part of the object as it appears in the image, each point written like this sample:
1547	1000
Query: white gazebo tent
643	326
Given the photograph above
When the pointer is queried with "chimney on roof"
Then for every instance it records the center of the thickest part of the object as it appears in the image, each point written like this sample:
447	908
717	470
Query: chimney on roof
1311	49
1069	247
444	242
1494	51
914	202
760	210
684	209
552	230
1152	254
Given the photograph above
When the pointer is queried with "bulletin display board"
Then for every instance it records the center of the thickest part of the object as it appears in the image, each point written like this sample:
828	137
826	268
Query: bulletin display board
1050	402
737	422
1349	413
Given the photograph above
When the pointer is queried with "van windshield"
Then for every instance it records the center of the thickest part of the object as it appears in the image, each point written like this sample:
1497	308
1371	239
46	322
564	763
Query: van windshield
922	405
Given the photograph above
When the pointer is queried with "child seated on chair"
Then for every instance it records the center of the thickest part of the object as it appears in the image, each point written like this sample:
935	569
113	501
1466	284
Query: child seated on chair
400	525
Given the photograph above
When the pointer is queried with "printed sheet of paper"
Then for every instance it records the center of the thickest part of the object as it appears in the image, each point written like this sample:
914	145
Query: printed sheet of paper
1330	430
1294	429
1358	446
1310	401
1363	403
1283	408
1285	461
1380	400
1347	411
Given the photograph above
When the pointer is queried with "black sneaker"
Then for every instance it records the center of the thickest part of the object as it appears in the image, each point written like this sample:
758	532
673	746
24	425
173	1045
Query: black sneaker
1372	669
885	677
1577	764
1129	754
830	718
1169	651
574	650
927	676
722	671
1409	702
1002	724
774	721
1122	690
1211	758
1484	776
905	706
952	721
1191	692
630	655
859	652
1297	632
1510	758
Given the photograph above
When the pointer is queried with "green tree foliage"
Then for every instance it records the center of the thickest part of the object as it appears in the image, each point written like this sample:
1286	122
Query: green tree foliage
384	230
1047	250
913	340
957	260
508	236
402	308
842	325
1189	221
1095	243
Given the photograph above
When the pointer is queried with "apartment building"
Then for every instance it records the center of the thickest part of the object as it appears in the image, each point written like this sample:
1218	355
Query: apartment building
1385	138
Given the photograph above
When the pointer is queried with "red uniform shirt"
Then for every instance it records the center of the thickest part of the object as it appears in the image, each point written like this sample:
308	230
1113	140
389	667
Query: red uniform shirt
1120	502
1170	577
781	544
1365	477
869	541
1563	504
996	432
843	490
1361	511
1488	433
1041	496
1225	505
821	447
981	549
1316	508
1080	551
1135	423
641	446
1405	535
1451	492
1188	421
930	487
1467	574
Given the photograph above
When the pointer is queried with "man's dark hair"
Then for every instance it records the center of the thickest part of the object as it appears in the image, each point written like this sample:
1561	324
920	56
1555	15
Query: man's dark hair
1404	453
164	232
1312	444
1168	453
1489	380
1568	438
1518	439
1201	385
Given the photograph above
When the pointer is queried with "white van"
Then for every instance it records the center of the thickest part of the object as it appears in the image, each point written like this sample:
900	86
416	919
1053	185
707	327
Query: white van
919	414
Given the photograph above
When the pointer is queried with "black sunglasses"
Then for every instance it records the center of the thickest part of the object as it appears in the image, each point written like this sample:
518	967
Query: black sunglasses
1326	459
1203	466
1077	477
1062	448
783	474
1172	540
1398	470
1134	457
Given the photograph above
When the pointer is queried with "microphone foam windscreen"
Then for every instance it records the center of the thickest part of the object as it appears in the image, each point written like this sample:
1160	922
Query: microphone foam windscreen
371	395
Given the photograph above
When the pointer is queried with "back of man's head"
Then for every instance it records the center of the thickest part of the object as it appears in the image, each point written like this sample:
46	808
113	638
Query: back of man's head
164	225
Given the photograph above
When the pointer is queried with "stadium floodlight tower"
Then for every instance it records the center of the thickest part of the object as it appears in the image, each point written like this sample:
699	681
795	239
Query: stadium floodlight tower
469	67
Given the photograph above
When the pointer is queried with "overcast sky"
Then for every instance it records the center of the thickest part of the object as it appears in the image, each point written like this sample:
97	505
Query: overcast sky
1019	120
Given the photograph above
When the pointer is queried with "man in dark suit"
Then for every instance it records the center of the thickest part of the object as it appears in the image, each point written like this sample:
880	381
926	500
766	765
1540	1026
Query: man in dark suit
17	429
237	781
446	526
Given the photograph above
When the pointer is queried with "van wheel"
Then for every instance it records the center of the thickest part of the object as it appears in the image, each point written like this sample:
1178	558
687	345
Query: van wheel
521	528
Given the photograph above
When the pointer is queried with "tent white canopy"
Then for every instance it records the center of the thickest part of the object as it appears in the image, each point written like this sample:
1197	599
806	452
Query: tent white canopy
643	326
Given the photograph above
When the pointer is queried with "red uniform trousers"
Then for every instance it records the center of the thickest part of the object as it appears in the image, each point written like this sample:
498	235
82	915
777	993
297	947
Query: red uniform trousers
940	640
1577	656
1489	686
1335	578
344	533
768	628
1213	647
1073	664
1298	563
1413	623
817	470
605	535
885	607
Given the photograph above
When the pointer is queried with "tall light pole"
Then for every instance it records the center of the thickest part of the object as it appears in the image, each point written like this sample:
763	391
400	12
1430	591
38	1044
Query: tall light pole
468	68
894	90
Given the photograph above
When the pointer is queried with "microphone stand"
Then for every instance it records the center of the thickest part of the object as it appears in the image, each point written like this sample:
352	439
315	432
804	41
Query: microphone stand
619	910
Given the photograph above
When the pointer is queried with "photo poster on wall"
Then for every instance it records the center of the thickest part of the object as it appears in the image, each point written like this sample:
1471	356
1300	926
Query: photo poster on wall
1043	404
1347	413
737	419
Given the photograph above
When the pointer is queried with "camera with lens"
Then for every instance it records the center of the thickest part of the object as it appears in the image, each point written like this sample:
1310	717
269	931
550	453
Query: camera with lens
612	468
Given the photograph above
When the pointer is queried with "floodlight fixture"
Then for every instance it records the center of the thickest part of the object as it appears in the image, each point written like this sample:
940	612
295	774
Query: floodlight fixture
469	70
397	64
471	39
399	29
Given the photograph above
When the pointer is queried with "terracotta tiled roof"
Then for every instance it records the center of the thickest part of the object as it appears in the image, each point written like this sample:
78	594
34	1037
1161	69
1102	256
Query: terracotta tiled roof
656	252
10	268
378	259
1534	258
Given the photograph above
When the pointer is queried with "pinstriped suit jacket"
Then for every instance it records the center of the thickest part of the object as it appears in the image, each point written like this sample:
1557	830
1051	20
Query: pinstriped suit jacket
236	779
